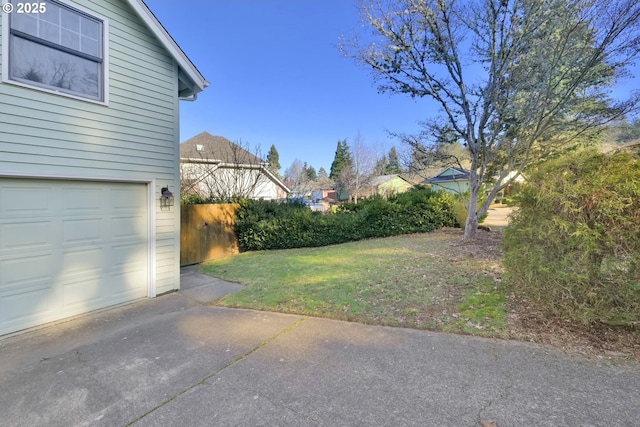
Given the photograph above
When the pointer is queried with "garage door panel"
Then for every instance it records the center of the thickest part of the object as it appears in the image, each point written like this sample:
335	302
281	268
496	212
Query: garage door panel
127	254
27	308
127	265
87	261
82	294
69	247
125	292
19	200
128	227
25	235
82	200
78	231
26	273
26	200
127	199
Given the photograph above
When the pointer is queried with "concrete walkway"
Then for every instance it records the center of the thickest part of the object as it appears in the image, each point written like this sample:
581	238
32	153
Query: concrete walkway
498	216
176	361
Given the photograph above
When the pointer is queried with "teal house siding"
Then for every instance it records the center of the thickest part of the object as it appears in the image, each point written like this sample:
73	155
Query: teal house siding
452	180
132	135
455	187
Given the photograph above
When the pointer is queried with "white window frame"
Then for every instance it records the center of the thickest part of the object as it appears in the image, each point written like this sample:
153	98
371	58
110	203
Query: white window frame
105	54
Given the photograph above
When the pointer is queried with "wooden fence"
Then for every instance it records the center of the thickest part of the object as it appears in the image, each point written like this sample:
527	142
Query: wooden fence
206	232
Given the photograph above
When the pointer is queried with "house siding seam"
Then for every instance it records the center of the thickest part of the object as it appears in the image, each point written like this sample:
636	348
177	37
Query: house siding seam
134	137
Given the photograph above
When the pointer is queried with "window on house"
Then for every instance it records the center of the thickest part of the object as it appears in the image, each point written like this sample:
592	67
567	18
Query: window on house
60	49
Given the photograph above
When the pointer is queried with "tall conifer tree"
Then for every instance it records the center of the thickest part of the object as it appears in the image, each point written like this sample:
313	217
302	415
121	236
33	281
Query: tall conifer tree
274	160
341	161
393	164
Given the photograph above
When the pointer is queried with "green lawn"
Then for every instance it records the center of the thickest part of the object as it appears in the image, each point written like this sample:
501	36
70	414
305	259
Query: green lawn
425	281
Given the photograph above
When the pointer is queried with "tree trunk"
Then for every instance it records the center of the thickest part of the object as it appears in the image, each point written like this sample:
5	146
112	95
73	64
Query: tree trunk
471	224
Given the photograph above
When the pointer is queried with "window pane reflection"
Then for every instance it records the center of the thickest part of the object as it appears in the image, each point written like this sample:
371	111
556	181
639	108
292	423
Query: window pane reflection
48	67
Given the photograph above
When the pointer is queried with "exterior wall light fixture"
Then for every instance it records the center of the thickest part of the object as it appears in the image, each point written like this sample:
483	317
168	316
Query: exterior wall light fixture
166	198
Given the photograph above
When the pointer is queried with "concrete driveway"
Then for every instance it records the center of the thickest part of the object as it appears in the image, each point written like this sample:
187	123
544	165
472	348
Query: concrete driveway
176	361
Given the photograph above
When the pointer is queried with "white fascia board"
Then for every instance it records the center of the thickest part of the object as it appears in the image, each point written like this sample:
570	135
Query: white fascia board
199	160
240	166
169	43
276	179
221	164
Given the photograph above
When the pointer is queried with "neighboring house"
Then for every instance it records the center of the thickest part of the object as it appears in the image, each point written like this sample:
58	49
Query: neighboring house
387	185
452	180
323	194
89	137
417	177
324	190
511	187
214	167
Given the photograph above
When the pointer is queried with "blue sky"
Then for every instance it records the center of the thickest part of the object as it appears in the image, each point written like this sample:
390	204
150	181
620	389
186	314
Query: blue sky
277	77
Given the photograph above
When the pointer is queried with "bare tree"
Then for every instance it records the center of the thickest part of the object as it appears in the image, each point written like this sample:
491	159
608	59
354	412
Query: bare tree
515	80
63	73
297	179
224	172
423	159
357	177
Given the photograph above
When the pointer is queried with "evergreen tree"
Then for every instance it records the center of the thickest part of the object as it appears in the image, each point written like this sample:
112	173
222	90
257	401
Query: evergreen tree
322	173
311	174
381	166
393	163
421	158
274	160
341	161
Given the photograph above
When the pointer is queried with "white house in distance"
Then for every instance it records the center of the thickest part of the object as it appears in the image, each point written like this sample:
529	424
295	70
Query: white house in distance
89	138
214	167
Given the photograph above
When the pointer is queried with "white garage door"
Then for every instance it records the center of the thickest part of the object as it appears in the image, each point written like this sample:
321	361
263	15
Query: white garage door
69	247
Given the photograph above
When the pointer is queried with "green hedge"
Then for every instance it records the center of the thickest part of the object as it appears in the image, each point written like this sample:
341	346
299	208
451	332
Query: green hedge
262	225
574	245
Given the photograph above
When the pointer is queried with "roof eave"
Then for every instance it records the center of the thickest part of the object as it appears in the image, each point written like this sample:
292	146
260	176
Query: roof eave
275	179
221	164
199	160
170	44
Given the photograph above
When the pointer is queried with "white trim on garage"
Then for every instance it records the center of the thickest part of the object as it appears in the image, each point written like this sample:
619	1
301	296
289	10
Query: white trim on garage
151	208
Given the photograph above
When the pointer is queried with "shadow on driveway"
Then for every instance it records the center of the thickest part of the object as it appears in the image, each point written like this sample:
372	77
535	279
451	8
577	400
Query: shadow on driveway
176	360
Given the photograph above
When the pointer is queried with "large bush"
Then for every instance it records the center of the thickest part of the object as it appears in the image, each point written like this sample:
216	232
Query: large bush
574	244
271	225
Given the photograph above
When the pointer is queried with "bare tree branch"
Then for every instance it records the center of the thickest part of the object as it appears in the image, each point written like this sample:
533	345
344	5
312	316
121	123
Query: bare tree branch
226	173
515	80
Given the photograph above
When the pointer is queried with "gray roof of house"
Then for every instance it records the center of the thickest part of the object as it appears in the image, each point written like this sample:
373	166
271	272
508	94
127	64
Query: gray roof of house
458	175
375	181
217	148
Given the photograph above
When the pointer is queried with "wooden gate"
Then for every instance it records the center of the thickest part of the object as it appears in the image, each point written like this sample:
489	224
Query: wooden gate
206	232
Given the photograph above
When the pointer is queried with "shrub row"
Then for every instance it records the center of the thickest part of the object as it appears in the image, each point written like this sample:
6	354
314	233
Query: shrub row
574	245
262	225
